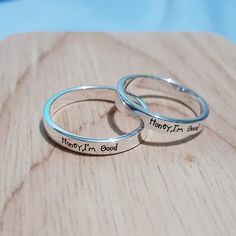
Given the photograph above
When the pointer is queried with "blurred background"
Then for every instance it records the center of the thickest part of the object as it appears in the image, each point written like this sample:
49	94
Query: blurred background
218	16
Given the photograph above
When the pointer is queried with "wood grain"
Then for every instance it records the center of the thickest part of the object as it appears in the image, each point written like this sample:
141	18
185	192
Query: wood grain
158	188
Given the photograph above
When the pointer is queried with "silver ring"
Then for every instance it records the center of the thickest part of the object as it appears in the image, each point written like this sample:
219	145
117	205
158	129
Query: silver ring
86	145
162	123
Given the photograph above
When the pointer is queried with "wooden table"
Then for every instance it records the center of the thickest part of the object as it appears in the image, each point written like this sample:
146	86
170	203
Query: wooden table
158	188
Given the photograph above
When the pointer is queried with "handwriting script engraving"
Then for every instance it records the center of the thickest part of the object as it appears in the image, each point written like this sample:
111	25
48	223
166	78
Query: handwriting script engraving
87	147
173	128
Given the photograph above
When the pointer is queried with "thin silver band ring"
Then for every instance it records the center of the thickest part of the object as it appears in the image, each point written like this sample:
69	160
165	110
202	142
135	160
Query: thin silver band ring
156	121
86	145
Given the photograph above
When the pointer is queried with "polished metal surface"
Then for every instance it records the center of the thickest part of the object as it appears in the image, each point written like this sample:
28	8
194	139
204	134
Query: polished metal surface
86	145
169	87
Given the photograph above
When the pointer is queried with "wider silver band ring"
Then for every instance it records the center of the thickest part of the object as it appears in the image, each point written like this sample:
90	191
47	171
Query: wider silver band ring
93	146
156	121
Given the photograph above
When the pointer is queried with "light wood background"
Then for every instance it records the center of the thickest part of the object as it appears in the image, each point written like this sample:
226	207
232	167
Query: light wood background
158	188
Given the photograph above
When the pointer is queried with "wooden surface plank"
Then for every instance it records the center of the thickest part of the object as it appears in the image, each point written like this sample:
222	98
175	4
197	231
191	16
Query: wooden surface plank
158	188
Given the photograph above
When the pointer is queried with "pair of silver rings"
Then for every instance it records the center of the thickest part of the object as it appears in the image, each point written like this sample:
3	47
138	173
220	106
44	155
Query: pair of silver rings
128	102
